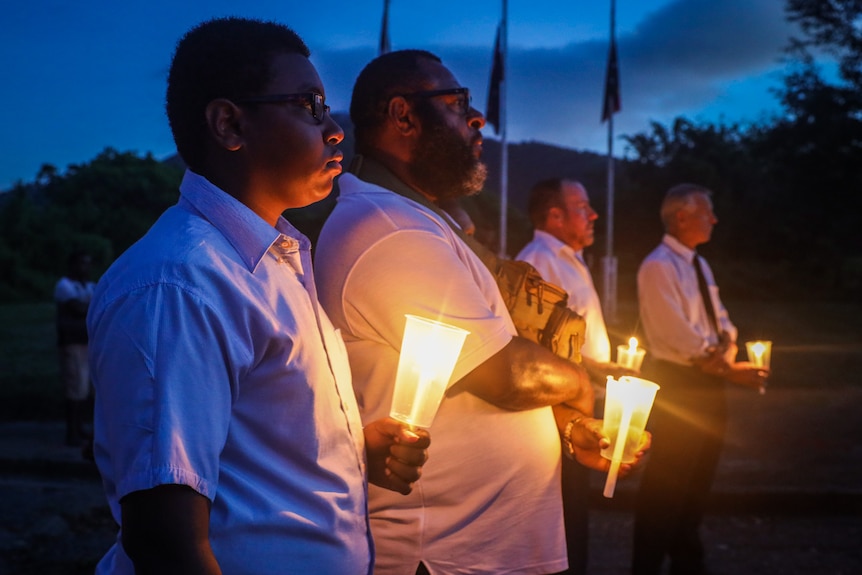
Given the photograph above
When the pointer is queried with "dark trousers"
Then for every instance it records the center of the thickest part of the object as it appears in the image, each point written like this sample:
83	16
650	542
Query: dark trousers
688	423
576	491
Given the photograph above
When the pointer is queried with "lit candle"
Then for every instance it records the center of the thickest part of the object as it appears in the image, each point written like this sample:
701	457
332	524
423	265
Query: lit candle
429	351
632	356
627	406
759	354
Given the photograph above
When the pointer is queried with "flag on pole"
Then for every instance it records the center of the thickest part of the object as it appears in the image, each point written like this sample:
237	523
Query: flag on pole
492	115
384	30
612	103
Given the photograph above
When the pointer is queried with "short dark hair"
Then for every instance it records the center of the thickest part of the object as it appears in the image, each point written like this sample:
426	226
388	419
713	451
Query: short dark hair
220	58
386	76
544	195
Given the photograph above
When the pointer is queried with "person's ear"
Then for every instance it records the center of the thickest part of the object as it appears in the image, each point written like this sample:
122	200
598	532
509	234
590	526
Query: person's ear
401	115
680	219
224	120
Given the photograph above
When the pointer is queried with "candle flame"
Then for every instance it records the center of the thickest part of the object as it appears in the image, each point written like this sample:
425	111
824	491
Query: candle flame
633	345
758	349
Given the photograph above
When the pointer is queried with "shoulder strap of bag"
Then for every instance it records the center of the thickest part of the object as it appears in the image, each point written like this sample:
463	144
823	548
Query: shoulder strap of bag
373	172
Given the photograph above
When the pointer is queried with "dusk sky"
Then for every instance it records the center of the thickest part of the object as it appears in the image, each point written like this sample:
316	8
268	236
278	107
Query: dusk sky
81	76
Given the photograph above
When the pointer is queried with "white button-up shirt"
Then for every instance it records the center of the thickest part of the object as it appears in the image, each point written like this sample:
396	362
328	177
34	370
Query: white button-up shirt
561	265
672	310
216	368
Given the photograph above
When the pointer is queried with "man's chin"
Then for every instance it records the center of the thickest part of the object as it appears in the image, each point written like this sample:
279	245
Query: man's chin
477	179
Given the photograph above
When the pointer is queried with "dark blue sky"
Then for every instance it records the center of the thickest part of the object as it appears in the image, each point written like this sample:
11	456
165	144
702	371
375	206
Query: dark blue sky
81	76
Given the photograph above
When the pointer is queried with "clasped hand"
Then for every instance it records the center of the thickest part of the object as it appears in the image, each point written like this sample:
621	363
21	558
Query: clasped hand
743	373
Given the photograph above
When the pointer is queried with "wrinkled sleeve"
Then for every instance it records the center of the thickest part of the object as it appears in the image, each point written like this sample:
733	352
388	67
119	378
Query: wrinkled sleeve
161	362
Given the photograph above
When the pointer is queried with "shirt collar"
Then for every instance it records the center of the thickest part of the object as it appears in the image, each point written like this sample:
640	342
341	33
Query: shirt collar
555	245
247	232
678	248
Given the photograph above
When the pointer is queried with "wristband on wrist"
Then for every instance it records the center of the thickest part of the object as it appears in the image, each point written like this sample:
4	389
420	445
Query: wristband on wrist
567	435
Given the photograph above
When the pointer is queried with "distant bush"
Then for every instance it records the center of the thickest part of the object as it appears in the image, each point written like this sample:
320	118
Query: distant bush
102	207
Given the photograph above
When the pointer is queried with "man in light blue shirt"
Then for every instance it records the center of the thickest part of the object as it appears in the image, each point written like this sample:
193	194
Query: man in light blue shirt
226	429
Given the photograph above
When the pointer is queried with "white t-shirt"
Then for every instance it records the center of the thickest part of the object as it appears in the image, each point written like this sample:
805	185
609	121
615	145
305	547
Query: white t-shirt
562	266
489	497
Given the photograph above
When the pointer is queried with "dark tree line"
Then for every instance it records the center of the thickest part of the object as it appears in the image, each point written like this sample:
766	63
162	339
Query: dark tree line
788	190
102	207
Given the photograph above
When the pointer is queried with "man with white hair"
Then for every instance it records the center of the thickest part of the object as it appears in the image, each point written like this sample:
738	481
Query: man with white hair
692	345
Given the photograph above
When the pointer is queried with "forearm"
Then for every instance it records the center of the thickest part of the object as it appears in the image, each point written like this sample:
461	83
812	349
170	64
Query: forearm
166	530
564	413
192	561
524	375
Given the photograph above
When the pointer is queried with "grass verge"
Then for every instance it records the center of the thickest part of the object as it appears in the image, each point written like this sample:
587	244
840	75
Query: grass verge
814	344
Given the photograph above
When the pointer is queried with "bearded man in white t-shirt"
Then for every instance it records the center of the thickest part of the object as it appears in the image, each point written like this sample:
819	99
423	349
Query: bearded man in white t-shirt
489	500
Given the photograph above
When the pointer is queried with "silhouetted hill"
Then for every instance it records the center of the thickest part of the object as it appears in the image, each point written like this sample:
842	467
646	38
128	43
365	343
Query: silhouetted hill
529	162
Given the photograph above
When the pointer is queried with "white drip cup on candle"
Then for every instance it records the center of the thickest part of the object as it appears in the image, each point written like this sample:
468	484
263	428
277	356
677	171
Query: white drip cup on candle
631	356
627	406
759	354
429	351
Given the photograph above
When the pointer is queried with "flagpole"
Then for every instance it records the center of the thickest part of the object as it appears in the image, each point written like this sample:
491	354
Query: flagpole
504	149
609	262
384	45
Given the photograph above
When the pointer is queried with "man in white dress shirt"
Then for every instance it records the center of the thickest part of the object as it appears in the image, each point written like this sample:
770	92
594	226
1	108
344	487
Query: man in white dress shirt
563	222
692	347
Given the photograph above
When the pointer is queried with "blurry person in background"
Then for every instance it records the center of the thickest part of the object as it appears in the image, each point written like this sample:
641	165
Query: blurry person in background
72	295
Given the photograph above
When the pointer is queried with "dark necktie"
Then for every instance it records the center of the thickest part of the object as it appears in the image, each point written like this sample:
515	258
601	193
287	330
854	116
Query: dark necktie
705	295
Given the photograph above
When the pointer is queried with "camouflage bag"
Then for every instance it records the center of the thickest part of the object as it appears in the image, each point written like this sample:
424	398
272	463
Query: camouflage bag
538	309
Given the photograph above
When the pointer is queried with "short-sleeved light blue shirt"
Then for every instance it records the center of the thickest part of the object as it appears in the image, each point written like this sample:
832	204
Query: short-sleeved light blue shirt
215	367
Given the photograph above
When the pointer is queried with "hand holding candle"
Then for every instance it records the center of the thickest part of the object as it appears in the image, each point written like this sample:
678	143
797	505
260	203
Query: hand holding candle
631	356
627	406
429	351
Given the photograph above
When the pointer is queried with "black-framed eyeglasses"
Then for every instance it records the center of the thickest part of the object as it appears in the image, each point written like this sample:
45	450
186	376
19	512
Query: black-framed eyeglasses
314	101
464	101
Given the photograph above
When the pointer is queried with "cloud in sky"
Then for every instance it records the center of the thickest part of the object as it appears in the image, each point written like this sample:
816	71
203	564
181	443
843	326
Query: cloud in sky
688	57
85	77
681	59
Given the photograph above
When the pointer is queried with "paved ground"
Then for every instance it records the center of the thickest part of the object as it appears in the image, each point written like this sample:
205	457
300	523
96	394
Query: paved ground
788	496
